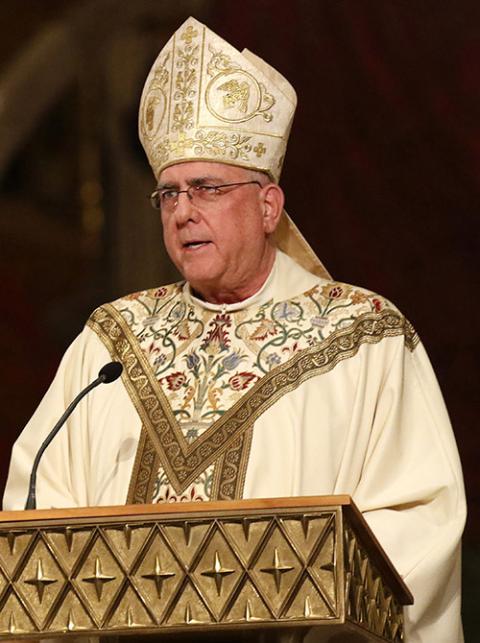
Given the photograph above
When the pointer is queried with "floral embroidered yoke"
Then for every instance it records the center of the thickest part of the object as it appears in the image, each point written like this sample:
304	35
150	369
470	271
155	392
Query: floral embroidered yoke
199	378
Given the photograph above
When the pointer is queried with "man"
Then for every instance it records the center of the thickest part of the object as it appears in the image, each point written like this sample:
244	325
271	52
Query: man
258	376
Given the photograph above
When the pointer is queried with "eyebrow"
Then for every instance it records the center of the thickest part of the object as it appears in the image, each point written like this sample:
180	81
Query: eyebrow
200	180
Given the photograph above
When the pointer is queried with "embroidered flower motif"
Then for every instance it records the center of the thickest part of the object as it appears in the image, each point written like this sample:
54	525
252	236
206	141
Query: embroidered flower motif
213	397
265	328
183	330
232	361
188	496
187	398
335	291
159	293
177	312
319	322
176	380
378	304
213	347
311	292
134	295
358	297
286	310
290	349
241	380
217	335
192	496
155	355
272	359
160	360
192	359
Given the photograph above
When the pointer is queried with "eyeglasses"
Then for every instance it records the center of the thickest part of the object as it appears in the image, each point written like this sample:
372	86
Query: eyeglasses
166	200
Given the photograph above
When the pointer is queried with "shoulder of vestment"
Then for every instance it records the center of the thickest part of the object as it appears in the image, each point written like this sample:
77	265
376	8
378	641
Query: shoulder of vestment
327	309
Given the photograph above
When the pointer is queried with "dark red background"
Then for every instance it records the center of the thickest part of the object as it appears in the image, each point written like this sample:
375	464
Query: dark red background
382	176
383	170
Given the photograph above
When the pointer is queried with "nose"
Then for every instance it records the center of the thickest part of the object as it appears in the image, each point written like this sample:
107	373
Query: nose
185	210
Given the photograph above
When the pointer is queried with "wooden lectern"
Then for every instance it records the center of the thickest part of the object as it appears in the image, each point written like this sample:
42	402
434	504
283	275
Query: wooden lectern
280	569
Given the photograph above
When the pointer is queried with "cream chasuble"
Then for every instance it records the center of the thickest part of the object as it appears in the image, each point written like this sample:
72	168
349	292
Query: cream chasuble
309	387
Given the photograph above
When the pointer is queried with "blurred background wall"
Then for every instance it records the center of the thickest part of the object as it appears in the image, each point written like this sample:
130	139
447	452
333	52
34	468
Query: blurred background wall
382	174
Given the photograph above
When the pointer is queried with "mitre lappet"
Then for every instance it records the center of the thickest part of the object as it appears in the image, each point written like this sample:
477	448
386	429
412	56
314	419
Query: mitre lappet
204	100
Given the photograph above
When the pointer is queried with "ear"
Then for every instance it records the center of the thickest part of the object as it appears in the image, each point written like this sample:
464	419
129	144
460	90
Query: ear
273	200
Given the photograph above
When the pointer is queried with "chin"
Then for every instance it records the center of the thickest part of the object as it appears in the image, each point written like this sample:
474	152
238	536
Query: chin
201	276
200	266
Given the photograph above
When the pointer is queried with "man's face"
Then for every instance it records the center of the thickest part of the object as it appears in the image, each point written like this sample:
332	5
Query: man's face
220	247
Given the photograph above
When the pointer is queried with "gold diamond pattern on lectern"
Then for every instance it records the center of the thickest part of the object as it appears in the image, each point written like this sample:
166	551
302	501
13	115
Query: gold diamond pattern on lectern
40	582
185	538
71	616
394	625
244	535
304	531
276	569
127	540
248	607
217	572
68	544
130	613
98	579
369	603
189	609
13	547
14	618
323	564
158	575
172	573
3	583
309	603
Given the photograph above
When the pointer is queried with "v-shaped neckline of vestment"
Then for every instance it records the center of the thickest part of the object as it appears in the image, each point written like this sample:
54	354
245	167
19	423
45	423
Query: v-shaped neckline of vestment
184	461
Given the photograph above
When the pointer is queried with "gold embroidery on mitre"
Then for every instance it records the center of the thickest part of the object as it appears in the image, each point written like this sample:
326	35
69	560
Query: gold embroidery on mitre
155	105
207	145
242	97
186	80
204	100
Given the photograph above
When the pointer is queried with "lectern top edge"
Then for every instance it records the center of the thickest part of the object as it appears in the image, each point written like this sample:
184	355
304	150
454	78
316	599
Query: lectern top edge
173	508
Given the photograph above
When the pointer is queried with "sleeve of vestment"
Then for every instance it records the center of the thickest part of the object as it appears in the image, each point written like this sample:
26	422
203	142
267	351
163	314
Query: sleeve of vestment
411	492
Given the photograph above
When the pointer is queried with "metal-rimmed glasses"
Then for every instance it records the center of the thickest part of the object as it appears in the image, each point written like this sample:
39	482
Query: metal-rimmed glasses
166	199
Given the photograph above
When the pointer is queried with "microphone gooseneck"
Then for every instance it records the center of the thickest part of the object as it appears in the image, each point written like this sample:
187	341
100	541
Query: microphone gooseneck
108	373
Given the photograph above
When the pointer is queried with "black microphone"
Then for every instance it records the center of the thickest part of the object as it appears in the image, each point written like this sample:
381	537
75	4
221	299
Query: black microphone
108	373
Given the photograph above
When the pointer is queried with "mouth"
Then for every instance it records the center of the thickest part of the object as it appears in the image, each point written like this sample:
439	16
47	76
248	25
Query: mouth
194	245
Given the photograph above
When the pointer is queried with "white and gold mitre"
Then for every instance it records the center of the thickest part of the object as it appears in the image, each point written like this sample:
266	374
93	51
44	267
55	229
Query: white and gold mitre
204	100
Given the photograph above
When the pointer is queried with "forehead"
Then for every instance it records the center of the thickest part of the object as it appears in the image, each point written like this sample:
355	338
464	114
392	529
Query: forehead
194	170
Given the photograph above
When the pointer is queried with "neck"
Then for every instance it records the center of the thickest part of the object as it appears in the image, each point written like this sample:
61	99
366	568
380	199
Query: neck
224	294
